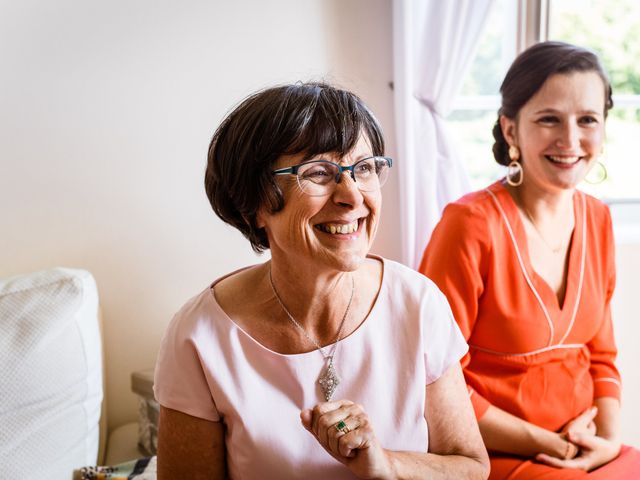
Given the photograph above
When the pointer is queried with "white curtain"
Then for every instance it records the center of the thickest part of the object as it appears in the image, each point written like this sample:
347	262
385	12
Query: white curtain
434	44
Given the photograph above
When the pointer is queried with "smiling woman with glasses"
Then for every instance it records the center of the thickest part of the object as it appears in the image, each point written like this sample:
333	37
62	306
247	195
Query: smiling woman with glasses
324	362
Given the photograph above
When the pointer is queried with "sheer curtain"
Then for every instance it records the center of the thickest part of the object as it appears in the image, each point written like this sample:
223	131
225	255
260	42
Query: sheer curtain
434	44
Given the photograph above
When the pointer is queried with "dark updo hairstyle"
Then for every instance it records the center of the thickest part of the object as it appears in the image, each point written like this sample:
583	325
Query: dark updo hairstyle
528	73
304	118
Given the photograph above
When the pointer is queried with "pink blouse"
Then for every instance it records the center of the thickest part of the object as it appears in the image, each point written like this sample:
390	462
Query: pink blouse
210	368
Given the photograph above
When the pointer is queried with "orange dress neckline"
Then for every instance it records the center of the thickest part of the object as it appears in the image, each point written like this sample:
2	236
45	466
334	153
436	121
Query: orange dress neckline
555	313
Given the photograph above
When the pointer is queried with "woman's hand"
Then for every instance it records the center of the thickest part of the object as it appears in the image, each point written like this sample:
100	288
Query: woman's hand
506	433
344	430
594	452
582	424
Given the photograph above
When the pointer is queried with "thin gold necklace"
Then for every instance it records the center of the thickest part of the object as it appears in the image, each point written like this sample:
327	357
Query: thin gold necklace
329	378
554	250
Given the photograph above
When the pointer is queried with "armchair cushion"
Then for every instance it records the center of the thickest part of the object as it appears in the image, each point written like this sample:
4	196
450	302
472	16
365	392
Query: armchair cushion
51	373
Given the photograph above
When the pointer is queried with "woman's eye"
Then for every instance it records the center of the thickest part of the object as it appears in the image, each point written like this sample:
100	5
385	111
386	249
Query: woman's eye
316	172
548	119
365	168
588	120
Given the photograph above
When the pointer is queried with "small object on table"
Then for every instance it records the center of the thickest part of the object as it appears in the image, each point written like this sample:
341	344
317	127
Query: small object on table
148	411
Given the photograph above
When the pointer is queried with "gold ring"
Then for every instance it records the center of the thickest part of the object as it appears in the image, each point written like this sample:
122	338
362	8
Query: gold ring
342	427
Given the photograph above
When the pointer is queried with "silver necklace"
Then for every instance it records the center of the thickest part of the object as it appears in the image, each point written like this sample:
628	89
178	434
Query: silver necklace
328	379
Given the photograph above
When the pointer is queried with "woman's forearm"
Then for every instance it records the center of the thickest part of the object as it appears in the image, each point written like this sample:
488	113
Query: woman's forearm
503	432
455	445
608	418
414	465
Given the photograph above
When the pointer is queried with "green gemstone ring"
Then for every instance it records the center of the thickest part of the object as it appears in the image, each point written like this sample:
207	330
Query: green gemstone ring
341	426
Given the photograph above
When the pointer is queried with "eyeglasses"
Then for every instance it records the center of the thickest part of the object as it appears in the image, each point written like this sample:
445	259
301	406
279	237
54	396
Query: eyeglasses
320	177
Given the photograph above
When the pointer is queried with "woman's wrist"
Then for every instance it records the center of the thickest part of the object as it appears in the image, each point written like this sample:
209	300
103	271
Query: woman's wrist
392	467
551	443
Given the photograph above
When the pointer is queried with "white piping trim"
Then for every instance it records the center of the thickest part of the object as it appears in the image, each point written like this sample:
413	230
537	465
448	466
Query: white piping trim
532	352
524	271
608	379
582	262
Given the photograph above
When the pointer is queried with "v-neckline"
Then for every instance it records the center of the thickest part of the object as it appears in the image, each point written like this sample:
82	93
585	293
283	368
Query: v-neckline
547	293
547	297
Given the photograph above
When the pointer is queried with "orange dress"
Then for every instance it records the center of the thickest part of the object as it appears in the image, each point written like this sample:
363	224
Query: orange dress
528	355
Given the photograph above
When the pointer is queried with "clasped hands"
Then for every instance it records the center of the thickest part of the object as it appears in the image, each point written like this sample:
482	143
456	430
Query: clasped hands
344	430
585	450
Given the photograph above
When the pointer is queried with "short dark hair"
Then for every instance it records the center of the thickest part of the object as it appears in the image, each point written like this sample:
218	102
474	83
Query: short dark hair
303	118
528	73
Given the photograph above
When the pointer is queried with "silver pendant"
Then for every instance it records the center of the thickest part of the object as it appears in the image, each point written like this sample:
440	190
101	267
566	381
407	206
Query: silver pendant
329	380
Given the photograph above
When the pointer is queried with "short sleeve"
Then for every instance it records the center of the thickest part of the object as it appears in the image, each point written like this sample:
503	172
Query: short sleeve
443	342
180	382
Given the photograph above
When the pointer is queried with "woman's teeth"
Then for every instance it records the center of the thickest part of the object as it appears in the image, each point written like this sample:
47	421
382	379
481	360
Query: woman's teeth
339	227
565	160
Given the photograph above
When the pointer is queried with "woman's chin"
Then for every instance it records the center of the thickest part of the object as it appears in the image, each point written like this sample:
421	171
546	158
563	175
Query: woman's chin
346	261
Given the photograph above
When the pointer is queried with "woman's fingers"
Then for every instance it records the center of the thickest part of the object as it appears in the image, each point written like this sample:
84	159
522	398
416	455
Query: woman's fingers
341	427
327	417
345	437
306	416
578	462
356	438
588	442
594	451
583	422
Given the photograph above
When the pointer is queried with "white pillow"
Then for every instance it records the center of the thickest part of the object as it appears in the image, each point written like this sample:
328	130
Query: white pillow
50	374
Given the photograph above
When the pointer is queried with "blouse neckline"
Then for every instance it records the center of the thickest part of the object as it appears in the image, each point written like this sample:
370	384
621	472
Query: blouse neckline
345	340
546	296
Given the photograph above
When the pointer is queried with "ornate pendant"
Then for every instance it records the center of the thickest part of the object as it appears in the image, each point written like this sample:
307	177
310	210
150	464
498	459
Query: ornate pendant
329	380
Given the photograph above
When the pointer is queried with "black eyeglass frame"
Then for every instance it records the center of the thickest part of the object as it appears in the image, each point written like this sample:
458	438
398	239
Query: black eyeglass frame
293	170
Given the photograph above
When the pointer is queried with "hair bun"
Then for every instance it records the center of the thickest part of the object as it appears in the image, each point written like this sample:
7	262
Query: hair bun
500	146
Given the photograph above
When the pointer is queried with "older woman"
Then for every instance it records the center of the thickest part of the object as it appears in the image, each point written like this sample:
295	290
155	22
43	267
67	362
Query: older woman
528	267
324	362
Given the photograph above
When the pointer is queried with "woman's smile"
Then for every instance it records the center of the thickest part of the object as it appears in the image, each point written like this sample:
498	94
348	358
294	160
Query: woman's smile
341	228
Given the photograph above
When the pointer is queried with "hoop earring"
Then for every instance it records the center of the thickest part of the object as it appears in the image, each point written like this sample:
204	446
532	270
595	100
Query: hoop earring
515	169
603	174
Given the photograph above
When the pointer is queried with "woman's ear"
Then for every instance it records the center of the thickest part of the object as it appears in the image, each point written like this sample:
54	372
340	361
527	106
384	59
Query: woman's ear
508	126
260	223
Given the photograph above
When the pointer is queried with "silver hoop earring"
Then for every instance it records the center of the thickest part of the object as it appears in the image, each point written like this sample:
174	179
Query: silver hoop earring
515	174
601	177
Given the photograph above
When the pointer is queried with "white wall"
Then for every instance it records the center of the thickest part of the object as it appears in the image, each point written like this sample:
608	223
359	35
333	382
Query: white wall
624	307
106	112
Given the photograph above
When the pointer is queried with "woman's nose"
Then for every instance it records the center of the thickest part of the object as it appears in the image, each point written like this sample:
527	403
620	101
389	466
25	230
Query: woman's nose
569	136
346	191
349	173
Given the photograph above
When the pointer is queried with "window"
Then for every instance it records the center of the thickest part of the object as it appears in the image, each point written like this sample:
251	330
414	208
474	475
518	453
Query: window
475	108
609	27
612	29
